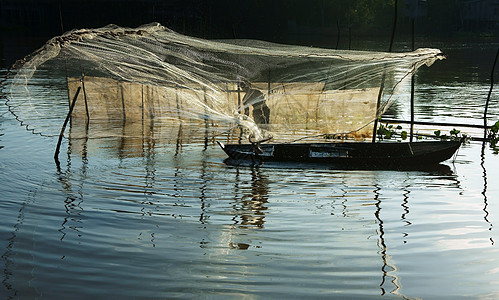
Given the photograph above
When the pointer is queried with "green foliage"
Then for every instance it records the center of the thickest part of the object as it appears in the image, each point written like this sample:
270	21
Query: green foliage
454	135
387	131
403	134
494	130
454	132
493	137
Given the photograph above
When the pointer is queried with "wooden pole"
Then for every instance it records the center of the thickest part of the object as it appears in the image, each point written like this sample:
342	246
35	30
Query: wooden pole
380	94
488	97
142	94
56	155
268	87
85	95
178	105
412	87
123	103
240	110
206	125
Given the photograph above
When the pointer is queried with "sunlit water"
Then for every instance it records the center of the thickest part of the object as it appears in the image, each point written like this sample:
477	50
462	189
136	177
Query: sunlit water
144	216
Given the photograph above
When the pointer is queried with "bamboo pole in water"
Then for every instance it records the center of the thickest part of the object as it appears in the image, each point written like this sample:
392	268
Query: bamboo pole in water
488	97
56	154
205	117
239	107
142	95
412	87
123	103
380	94
85	95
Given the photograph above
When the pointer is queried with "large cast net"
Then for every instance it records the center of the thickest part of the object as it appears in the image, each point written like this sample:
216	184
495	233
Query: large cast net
256	88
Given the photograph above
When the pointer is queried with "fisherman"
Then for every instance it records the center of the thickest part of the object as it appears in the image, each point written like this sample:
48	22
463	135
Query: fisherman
255	98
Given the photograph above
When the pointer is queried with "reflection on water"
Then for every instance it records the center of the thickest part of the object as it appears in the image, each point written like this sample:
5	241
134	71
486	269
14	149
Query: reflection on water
159	211
146	210
252	205
388	269
484	192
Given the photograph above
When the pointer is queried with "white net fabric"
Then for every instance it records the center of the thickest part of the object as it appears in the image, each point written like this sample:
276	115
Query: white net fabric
268	90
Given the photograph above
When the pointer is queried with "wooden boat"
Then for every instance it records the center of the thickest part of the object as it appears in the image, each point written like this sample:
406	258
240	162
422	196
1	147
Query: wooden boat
380	155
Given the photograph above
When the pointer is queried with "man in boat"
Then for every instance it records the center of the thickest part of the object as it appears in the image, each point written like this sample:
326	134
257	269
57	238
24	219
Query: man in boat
255	98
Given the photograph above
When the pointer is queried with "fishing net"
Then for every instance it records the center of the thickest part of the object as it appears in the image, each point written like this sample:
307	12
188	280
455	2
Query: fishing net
257	89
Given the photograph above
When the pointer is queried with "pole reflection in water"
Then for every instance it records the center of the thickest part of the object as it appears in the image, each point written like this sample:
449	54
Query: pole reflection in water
10	253
148	155
484	192
203	218
74	199
388	269
405	205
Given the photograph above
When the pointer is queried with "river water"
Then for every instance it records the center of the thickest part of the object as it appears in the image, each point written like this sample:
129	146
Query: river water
162	216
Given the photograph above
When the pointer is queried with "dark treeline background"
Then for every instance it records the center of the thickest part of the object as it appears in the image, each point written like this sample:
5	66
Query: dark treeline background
26	24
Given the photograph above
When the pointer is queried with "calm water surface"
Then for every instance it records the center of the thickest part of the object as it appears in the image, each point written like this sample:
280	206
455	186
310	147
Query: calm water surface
133	215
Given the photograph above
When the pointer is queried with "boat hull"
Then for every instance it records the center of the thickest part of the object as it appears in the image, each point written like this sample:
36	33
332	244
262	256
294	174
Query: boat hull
348	154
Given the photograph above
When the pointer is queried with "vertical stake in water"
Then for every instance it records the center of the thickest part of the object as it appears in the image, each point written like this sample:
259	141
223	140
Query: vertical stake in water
178	105
123	103
268	87
488	97
412	86
85	95
205	117
142	95
380	94
239	105
268	97
56	155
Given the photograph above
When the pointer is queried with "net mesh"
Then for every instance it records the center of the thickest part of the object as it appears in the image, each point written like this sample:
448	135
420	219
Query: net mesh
262	89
